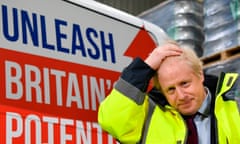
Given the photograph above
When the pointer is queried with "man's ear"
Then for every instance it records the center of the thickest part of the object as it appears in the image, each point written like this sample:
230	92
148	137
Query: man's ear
201	75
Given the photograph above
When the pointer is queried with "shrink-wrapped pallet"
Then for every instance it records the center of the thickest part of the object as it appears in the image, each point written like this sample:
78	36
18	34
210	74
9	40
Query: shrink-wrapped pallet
182	20
221	25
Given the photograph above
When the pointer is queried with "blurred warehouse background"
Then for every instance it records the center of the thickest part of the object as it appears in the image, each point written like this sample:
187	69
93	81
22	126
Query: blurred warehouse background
207	26
210	27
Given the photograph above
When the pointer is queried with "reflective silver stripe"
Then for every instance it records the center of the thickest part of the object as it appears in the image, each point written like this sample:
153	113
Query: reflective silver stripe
238	107
147	122
130	91
237	98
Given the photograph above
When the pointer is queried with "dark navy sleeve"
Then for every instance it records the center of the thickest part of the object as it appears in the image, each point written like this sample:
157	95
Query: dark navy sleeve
138	74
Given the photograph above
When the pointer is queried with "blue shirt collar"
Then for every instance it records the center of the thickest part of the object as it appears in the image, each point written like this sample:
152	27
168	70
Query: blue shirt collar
205	108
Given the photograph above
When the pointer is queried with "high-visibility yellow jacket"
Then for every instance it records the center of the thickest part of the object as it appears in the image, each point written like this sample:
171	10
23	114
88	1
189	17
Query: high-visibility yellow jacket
133	116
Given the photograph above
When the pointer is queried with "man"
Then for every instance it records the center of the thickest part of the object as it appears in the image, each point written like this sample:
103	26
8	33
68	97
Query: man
132	114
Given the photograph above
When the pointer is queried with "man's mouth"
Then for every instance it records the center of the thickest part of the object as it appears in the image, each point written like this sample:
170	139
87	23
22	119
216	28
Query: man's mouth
185	104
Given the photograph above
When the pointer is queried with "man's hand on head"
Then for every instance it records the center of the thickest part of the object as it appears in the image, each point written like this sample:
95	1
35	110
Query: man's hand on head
157	56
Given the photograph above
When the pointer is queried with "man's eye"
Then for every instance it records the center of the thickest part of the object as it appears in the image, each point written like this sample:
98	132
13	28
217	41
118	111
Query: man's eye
170	90
185	84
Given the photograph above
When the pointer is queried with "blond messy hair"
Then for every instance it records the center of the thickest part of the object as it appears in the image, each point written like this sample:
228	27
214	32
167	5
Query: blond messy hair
191	58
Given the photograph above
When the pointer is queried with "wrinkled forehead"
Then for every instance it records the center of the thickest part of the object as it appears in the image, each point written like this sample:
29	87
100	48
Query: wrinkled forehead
173	63
173	60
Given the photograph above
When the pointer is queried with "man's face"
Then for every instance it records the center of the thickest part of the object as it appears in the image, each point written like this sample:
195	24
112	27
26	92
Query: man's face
182	87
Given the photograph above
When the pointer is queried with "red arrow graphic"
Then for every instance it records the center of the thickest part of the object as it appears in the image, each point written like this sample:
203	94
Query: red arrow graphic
141	46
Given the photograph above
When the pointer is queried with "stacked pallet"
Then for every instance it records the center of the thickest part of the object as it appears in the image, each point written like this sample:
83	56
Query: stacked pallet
182	20
221	25
222	57
222	34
